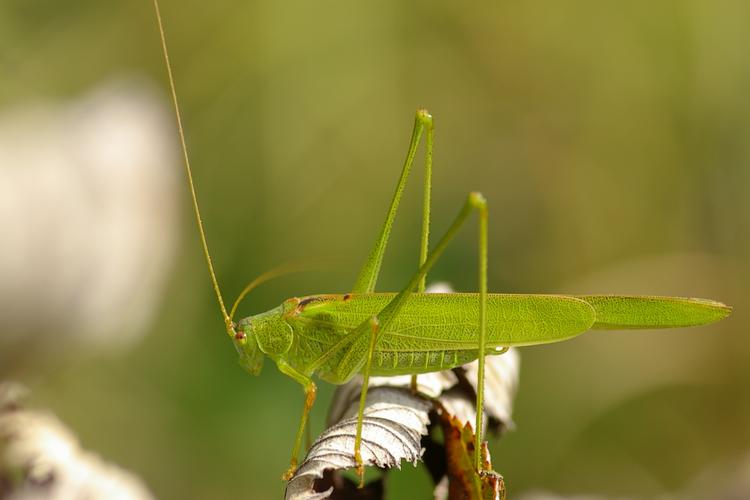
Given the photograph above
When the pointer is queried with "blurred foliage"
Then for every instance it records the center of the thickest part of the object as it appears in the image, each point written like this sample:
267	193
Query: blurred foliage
610	139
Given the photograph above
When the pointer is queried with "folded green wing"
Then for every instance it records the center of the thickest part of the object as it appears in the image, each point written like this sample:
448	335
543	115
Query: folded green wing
447	321
617	312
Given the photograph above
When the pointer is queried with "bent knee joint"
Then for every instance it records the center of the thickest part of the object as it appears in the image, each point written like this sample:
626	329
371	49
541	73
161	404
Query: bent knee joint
477	200
374	324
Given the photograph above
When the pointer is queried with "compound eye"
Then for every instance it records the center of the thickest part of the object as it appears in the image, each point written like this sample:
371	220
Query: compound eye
240	335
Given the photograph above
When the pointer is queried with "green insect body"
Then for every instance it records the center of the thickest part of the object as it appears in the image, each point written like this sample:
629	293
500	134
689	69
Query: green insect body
436	332
336	336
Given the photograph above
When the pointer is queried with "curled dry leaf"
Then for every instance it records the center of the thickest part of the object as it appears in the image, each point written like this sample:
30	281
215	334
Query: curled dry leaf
394	422
395	427
41	459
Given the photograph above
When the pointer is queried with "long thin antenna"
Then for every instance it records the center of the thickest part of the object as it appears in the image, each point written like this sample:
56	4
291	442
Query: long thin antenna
271	274
198	220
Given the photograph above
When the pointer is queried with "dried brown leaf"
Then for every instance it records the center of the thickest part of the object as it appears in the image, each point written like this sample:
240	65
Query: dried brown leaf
464	481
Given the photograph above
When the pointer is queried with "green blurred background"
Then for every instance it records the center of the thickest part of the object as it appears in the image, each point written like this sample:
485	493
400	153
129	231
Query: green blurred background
611	139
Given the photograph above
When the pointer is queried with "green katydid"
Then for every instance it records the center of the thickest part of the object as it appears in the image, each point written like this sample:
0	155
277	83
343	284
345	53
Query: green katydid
337	336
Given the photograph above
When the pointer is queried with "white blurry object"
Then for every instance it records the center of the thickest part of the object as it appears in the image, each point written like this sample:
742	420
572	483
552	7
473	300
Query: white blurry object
88	216
40	459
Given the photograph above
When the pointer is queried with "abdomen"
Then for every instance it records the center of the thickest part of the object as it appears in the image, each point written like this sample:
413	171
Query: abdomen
439	331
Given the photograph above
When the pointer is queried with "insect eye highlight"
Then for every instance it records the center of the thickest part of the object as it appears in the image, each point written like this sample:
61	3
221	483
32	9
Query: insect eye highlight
242	331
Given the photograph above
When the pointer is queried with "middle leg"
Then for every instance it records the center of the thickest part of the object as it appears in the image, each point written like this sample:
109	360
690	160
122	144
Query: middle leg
475	201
